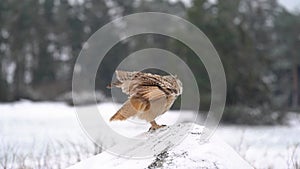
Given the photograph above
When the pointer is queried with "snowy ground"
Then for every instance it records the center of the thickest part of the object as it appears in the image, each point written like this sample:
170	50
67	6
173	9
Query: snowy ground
39	129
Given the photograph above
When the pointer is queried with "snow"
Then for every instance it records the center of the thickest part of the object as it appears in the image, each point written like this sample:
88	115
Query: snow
264	146
189	154
34	126
39	120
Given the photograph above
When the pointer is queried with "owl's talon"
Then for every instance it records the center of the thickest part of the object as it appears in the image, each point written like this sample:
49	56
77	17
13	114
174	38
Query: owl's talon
153	129
155	126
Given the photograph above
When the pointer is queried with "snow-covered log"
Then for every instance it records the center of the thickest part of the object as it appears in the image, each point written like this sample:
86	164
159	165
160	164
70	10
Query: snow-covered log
188	154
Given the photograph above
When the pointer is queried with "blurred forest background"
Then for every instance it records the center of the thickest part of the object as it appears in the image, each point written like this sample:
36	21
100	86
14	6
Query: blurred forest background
258	42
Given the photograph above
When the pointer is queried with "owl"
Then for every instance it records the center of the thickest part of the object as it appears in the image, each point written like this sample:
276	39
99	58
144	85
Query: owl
149	95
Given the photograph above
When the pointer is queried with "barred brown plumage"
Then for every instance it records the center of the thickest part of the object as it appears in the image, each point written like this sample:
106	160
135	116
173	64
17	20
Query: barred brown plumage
150	95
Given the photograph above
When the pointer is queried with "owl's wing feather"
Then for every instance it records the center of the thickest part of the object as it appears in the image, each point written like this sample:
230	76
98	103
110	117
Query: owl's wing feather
124	75
134	82
150	92
125	81
141	99
126	111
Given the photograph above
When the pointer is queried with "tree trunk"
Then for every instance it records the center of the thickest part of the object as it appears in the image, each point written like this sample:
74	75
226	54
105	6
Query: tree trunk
295	92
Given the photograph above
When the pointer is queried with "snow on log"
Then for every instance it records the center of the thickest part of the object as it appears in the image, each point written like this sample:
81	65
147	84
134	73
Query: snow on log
188	154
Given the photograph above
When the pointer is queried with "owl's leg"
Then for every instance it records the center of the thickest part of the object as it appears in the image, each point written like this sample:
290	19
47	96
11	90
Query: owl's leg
155	126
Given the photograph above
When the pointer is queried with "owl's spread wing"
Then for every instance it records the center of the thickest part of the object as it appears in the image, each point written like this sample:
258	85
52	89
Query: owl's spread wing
125	81
141	99
132	82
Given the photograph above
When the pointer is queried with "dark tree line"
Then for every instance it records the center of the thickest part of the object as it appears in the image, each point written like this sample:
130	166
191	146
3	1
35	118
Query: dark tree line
256	40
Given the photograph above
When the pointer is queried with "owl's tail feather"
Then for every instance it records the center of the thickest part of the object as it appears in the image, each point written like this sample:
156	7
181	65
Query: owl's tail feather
117	116
124	112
